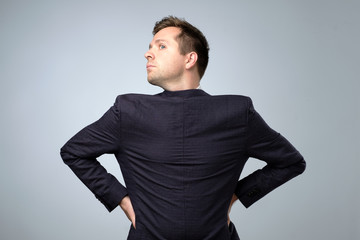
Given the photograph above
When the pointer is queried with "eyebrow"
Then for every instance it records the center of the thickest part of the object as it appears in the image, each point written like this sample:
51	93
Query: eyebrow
157	41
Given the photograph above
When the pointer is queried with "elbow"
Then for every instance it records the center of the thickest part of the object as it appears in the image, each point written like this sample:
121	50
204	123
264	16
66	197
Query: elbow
301	166
66	156
63	155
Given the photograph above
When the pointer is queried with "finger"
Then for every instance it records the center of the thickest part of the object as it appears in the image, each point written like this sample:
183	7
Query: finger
133	223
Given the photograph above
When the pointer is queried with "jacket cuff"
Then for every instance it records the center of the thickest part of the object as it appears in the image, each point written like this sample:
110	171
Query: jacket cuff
113	196
248	191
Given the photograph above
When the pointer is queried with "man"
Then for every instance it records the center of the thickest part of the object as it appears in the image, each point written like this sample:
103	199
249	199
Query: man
181	152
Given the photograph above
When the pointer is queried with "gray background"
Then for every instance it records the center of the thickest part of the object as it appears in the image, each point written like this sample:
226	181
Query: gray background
62	64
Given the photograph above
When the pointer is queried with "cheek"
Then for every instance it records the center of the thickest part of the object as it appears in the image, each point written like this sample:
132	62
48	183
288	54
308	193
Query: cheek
176	62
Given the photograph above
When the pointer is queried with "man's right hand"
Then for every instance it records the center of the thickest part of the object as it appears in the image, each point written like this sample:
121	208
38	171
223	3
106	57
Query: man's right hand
233	199
128	209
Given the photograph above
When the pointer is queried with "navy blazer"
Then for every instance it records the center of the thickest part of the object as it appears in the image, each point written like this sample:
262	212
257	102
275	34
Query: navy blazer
181	154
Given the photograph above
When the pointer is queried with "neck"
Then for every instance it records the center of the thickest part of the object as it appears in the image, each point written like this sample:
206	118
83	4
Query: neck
180	87
183	84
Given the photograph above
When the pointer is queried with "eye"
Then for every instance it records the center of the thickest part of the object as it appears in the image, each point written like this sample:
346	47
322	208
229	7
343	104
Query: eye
162	46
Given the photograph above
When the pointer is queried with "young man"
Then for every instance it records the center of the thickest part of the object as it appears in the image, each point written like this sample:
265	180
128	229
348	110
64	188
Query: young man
181	152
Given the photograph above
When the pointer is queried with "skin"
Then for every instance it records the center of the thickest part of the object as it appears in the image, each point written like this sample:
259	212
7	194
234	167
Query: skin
169	69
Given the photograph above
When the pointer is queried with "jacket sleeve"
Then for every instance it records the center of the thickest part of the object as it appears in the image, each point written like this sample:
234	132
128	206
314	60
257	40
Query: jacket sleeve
284	162
81	151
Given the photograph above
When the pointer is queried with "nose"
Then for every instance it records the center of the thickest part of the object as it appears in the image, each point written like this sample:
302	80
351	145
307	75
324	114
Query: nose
149	55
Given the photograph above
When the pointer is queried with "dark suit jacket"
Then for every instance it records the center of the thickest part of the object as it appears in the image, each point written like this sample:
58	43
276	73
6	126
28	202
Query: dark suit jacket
181	154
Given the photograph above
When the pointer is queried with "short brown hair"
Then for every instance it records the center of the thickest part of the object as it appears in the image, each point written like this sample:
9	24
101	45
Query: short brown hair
190	39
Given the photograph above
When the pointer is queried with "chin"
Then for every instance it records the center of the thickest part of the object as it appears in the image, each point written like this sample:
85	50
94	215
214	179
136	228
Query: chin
154	82
151	81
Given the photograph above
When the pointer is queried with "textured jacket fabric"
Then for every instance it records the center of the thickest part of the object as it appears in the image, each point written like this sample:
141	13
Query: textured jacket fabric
181	154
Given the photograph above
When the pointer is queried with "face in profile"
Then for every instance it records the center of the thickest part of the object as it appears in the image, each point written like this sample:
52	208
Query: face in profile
165	64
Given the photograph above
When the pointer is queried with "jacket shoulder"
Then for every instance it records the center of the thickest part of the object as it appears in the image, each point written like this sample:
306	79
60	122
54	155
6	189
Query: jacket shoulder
236	100
129	96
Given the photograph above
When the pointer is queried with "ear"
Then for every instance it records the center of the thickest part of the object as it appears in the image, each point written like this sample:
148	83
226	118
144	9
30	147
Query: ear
191	59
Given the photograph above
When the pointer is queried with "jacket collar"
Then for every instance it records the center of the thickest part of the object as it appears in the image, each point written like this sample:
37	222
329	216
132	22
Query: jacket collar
184	93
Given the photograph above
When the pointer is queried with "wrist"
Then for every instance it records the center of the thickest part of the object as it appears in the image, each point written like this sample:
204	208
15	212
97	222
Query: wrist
234	198
124	203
